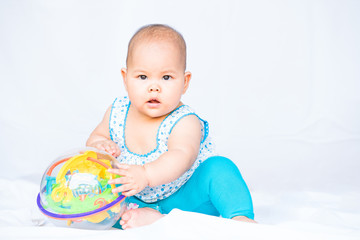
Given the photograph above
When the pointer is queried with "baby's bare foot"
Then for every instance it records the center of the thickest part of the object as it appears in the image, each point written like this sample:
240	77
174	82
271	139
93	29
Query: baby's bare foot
243	219
139	217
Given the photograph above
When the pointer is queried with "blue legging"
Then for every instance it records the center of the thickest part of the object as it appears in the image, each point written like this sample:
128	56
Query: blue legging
216	188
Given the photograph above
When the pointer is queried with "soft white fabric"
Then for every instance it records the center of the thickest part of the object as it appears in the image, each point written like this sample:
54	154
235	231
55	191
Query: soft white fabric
286	215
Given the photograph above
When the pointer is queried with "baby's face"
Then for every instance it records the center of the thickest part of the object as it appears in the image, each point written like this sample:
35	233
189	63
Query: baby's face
155	78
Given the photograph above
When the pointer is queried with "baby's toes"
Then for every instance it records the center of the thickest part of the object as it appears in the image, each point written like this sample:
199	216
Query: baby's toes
125	218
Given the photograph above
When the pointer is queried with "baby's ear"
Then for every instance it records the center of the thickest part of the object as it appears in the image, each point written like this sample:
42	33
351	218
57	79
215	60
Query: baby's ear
187	78
124	76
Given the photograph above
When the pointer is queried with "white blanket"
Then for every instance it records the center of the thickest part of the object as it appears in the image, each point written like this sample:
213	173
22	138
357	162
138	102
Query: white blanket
287	215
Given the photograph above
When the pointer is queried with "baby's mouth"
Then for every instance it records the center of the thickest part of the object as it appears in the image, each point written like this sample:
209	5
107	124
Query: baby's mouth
153	101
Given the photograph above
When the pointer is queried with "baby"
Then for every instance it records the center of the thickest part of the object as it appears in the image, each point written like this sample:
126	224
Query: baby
167	159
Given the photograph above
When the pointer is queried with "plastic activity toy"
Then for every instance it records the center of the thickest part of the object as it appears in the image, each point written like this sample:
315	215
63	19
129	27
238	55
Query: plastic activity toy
74	191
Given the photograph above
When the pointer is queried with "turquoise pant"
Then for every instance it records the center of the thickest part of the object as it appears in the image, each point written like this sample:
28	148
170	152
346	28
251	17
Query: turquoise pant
216	188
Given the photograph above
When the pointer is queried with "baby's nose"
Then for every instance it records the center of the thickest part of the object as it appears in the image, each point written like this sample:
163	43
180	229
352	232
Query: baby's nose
154	89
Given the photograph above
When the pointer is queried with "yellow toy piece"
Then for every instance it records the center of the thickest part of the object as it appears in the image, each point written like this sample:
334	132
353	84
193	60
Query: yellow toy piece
99	217
87	162
115	209
62	193
77	162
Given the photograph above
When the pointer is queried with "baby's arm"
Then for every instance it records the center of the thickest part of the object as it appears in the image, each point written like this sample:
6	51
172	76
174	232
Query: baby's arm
183	149
100	137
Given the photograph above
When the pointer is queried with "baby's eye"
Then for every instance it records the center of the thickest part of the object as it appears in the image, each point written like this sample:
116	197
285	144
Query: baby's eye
166	77
142	77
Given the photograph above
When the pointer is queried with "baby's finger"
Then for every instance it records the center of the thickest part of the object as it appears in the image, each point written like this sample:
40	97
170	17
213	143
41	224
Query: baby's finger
122	165
120	172
114	170
117	152
108	148
122	188
112	147
130	193
120	180
99	146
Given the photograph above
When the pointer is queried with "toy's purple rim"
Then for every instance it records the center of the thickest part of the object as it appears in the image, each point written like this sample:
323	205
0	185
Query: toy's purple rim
77	215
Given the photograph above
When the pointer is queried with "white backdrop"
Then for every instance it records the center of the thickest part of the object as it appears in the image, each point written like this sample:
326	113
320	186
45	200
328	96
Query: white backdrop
279	82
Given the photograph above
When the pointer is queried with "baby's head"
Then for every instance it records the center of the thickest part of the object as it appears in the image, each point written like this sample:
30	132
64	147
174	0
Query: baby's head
155	76
157	33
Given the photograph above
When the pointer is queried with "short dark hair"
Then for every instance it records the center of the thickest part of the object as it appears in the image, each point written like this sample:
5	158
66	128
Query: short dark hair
160	32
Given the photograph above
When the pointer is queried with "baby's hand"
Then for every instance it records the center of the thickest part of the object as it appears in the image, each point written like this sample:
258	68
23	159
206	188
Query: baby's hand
133	179
108	146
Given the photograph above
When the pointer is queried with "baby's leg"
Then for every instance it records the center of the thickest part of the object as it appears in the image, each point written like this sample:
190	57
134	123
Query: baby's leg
139	217
216	188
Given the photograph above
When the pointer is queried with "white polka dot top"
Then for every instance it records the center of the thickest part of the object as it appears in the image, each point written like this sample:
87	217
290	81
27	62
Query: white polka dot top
117	123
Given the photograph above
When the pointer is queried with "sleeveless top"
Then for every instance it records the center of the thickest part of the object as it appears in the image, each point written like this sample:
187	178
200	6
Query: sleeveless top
117	124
